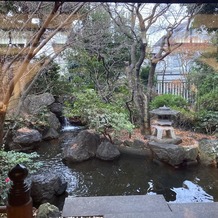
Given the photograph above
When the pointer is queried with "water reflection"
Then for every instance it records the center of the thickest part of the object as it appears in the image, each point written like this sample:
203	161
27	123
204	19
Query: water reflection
192	193
130	176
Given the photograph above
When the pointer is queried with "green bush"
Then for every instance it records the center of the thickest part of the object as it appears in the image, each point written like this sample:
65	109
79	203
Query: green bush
8	160
108	122
50	80
207	121
209	101
185	119
105	118
169	101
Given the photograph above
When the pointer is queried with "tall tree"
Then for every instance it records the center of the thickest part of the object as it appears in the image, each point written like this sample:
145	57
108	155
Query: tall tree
142	19
101	52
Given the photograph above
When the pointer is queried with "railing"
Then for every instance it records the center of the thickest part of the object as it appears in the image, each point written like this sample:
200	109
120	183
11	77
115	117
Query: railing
19	203
174	87
3	209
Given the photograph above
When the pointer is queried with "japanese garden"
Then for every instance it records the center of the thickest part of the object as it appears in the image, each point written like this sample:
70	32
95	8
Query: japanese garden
108	99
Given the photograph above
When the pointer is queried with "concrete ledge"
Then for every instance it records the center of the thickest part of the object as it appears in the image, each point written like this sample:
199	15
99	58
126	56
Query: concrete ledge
94	206
195	210
136	206
143	215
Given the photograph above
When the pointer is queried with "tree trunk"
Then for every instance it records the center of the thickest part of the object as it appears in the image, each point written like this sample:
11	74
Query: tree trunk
2	120
149	93
151	81
139	97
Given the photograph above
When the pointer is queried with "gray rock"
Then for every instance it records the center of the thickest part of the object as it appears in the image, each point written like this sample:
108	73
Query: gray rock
168	153
56	108
139	144
27	136
136	147
208	152
175	141
107	151
146	152
53	121
45	188
83	147
48	210
128	143
23	147
174	154
191	152
50	134
34	103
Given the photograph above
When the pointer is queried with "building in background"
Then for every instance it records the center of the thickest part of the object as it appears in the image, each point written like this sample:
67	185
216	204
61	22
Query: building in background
172	71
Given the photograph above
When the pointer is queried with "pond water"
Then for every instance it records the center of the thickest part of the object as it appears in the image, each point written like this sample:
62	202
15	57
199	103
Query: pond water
131	175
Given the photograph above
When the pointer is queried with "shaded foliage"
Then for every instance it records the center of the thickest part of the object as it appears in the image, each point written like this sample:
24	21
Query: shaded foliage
105	118
168	100
8	160
50	80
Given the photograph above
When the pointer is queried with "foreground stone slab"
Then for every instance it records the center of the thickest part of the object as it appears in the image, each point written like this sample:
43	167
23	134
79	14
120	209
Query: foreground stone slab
195	210
144	215
93	206
184	214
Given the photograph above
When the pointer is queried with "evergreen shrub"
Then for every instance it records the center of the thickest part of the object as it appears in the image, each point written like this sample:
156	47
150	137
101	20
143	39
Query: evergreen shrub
168	100
8	160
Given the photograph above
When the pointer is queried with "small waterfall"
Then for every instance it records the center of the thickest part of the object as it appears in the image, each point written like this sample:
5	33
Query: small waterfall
66	122
67	126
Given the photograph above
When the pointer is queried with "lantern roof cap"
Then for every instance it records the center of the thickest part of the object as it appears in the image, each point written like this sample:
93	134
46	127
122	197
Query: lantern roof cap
164	111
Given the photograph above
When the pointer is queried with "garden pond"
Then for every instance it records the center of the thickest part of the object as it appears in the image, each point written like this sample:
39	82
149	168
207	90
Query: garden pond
131	175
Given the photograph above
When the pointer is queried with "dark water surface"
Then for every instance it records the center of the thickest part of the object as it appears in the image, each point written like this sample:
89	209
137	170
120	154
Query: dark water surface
132	175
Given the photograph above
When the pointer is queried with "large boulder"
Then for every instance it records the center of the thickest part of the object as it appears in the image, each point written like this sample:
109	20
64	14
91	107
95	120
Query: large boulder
168	153
172	154
46	188
27	136
82	147
50	134
208	152
33	104
107	151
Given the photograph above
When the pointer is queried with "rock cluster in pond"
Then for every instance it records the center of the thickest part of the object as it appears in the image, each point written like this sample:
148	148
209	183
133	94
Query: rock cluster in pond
87	145
204	152
172	154
34	105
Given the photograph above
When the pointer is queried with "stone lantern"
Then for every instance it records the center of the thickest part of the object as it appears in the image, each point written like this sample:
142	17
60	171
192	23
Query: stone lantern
164	124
